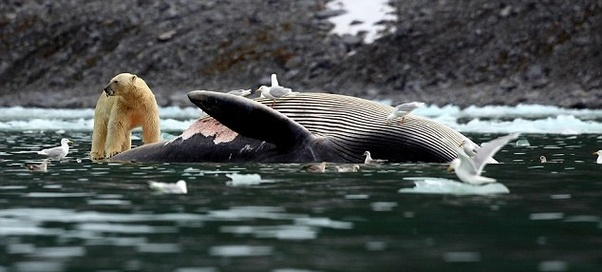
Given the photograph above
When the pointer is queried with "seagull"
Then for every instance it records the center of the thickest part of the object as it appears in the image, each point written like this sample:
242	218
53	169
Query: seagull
315	168
38	167
599	153
240	92
469	147
345	169
169	188
543	159
58	152
403	110
275	91
370	160
469	170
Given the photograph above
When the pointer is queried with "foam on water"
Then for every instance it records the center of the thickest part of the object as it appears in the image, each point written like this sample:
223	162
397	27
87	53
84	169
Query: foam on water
537	119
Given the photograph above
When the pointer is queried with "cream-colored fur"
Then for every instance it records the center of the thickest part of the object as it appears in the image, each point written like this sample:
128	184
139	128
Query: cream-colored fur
126	103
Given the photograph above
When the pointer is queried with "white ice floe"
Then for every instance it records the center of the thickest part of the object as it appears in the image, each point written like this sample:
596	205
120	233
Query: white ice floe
538	119
245	179
169	188
426	185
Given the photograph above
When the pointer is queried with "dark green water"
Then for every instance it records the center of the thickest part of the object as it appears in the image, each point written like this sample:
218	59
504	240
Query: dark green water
84	216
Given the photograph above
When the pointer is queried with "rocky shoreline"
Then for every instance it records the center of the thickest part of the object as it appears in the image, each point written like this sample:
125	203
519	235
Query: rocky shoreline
61	53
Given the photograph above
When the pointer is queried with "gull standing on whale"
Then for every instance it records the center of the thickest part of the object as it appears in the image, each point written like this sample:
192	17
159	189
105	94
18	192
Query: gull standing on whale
402	110
275	91
469	169
58	152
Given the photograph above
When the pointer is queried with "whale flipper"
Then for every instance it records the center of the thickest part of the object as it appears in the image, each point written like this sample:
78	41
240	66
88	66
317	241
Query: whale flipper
252	119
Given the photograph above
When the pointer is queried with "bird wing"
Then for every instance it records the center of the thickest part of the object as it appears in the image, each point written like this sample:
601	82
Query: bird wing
408	107
53	152
403	108
275	81
489	149
279	91
470	164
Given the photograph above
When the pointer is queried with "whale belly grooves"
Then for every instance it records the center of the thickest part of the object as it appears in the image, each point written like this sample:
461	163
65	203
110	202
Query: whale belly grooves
357	125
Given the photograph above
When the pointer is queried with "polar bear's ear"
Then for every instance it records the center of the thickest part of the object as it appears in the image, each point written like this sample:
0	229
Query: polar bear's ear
134	78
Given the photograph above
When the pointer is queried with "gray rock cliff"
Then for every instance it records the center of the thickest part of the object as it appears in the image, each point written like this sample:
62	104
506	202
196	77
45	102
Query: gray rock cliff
61	53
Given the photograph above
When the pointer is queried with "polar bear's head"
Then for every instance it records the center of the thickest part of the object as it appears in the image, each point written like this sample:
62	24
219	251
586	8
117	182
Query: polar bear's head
120	84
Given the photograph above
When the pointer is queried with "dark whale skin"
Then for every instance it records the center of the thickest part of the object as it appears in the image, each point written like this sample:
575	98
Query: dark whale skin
307	127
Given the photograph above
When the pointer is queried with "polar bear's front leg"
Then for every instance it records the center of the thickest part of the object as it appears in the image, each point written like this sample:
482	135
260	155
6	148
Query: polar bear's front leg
99	137
117	135
127	143
151	131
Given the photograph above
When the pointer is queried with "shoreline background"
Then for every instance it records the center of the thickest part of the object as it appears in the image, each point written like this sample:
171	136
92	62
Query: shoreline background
61	53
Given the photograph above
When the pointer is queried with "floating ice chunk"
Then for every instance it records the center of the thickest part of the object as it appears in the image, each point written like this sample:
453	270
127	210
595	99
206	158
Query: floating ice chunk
462	257
522	143
552	265
169	188
245	179
240	250
426	185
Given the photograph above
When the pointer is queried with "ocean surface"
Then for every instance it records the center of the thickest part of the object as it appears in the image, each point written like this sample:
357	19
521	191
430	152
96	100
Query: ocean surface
87	216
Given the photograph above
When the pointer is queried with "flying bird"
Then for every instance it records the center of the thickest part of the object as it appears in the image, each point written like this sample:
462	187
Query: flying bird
469	169
469	147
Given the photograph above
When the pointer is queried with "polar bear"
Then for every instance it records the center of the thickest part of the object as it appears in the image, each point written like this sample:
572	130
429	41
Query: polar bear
126	103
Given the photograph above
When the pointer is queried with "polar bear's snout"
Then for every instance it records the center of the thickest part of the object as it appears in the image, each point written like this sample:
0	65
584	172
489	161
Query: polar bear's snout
108	90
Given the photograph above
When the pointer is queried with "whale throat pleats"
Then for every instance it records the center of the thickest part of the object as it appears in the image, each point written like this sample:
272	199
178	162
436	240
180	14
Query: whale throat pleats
357	125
